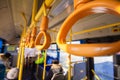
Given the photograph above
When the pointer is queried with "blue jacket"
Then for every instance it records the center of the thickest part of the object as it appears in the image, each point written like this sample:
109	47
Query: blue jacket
2	70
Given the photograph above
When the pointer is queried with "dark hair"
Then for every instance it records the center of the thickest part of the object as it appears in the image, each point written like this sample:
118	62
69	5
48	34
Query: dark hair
55	62
7	55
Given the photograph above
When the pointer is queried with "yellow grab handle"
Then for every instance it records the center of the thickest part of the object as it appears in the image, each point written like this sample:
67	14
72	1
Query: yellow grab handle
43	33
33	36
28	36
44	23
88	50
46	43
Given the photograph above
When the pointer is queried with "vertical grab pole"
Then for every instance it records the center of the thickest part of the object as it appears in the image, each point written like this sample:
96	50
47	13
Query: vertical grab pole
38	57
22	60
69	69
69	58
45	58
23	34
96	76
19	56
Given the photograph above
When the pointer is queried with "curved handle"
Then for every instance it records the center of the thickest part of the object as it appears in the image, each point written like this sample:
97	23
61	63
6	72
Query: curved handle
88	50
43	33
46	43
33	36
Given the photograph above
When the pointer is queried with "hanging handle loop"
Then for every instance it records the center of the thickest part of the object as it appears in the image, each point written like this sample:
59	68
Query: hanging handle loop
33	36
28	36
43	33
88	50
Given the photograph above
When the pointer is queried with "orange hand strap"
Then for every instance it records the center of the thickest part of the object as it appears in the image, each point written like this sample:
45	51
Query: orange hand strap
43	33
33	36
88	50
27	40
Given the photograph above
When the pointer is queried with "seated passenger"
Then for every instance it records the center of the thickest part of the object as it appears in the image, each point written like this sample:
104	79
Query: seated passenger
55	69
7	60
4	63
12	74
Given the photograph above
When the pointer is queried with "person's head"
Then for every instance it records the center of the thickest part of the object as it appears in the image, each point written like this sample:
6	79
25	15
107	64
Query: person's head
6	56
55	62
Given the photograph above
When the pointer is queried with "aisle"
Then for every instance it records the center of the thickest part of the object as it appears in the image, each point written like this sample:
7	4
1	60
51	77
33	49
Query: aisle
28	74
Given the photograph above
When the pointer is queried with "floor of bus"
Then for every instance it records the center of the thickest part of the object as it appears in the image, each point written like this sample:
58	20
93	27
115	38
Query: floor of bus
27	74
30	74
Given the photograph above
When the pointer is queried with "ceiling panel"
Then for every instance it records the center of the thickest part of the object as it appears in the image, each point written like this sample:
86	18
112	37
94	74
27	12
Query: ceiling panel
11	19
19	7
3	4
7	30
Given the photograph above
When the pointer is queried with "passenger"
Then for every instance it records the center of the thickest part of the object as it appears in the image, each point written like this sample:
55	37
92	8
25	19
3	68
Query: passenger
4	63
12	74
6	59
55	69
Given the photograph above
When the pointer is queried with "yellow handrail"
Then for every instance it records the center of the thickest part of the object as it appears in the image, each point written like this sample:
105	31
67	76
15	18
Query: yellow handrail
96	76
25	19
21	52
22	60
34	21
48	3
69	59
30	35
22	36
98	28
33	37
44	70
34	10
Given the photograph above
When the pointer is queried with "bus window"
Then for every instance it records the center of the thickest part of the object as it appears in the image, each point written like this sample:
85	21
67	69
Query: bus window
104	67
52	51
64	57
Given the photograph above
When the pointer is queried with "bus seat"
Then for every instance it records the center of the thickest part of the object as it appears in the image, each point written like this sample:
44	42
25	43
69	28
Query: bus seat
58	76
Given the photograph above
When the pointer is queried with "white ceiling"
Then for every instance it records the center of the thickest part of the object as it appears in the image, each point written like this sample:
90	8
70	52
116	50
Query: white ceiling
7	30
11	18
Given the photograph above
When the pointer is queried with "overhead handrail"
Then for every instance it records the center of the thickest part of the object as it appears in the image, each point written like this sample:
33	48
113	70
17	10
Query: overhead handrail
48	4
81	10
31	35
43	33
34	10
97	28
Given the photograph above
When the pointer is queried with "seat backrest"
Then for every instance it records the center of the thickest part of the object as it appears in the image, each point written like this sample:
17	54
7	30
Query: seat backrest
12	73
58	76
2	71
